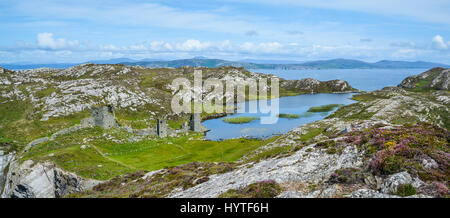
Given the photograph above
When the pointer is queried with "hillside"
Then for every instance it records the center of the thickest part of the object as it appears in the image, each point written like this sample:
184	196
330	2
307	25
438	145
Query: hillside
436	78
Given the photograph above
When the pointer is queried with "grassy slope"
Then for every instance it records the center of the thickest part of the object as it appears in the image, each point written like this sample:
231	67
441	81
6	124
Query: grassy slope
111	150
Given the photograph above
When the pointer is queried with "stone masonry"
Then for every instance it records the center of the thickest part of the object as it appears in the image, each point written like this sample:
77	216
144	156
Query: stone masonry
195	123
104	117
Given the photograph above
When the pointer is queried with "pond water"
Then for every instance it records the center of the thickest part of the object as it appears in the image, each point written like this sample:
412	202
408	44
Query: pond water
291	105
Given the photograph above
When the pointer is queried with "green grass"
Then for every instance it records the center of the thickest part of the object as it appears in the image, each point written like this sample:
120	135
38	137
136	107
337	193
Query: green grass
324	108
289	116
239	120
121	156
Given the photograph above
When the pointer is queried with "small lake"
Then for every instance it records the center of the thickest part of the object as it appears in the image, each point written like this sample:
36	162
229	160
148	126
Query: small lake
291	105
362	79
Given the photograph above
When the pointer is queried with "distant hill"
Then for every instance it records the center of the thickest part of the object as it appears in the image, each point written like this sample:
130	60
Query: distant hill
321	64
248	64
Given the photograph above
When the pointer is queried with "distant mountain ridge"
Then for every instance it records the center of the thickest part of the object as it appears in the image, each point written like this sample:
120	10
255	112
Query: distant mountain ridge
320	64
248	64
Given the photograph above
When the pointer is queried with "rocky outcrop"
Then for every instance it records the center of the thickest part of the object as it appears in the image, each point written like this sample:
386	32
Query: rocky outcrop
42	180
436	78
309	85
305	167
393	104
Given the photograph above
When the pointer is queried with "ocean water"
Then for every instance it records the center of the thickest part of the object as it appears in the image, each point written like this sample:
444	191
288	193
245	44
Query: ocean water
362	79
293	105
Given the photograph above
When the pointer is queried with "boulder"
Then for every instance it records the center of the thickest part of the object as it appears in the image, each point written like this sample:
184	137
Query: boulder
391	184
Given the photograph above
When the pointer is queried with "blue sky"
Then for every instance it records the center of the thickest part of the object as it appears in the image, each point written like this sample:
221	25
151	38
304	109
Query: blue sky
298	30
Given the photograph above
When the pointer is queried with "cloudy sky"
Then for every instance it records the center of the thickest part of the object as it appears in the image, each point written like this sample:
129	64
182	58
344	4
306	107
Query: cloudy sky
298	30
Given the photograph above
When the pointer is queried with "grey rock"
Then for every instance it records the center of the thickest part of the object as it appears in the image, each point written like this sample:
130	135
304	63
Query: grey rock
391	184
429	164
42	180
290	194
5	160
303	166
369	193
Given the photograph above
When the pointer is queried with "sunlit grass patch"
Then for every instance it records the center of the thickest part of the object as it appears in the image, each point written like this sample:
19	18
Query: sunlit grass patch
102	154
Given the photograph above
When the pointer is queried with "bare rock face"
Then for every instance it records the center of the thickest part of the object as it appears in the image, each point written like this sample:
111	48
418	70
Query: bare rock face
42	180
436	78
5	160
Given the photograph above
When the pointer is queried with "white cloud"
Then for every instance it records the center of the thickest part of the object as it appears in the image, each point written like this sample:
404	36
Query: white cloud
50	47
439	43
46	41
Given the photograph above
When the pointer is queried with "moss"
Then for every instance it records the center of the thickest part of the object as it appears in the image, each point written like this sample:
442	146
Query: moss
406	190
263	189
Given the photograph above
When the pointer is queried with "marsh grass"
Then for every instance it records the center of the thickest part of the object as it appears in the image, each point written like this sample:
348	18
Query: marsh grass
289	116
239	120
323	108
